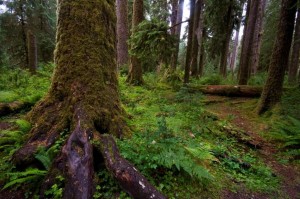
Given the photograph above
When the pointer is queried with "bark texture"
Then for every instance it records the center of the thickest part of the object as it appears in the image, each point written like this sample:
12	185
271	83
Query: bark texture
294	61
197	36
135	75
273	88
32	52
83	99
235	48
122	32
177	34
189	50
251	40
226	41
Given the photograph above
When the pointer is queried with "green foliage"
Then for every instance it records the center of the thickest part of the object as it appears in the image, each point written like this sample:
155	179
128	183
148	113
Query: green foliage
56	190
258	79
162	149
23	125
213	79
287	133
22	86
152	41
30	175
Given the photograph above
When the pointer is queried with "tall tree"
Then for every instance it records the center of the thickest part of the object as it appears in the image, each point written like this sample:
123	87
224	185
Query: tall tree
189	50
272	91
235	48
294	61
177	34
251	40
84	99
197	36
135	75
228	25
122	32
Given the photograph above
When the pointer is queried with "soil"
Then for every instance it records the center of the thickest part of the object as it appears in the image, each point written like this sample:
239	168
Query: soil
249	122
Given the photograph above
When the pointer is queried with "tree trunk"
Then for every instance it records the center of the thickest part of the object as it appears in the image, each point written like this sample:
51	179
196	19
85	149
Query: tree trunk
24	36
122	33
32	52
254	60
197	32
202	53
235	48
294	61
174	16
273	88
248	40
226	42
189	50
84	99
135	75
177	34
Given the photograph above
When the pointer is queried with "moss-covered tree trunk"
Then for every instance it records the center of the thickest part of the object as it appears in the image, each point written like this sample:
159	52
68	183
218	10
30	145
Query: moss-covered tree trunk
84	99
294	61
135	75
273	88
32	52
122	32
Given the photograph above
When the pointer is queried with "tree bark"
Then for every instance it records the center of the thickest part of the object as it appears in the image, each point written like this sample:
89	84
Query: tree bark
235	48
189	50
174	16
254	60
122	33
273	88
135	75
294	61
197	33
177	34
84	99
32	52
226	42
247	52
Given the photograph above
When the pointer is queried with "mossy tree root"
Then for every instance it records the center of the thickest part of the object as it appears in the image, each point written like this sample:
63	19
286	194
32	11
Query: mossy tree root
76	159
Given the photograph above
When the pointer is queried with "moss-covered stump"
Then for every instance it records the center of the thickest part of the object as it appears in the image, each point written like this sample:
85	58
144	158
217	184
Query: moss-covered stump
83	99
13	107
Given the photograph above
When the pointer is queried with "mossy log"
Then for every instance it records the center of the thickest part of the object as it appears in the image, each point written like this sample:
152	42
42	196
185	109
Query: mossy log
13	107
228	90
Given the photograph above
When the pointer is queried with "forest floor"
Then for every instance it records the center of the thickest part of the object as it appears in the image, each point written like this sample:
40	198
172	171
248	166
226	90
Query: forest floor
253	127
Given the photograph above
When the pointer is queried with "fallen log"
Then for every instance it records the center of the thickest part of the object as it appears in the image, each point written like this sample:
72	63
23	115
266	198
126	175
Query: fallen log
228	90
13	107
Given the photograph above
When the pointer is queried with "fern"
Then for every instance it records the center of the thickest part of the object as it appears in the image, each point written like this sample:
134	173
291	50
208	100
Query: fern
30	175
43	156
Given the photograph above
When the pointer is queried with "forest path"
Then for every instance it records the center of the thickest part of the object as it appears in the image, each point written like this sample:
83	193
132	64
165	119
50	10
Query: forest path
241	114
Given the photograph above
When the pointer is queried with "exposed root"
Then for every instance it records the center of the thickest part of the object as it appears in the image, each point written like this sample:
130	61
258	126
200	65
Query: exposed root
130	179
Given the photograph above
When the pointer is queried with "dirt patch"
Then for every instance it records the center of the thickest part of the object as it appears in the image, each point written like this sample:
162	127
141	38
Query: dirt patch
251	126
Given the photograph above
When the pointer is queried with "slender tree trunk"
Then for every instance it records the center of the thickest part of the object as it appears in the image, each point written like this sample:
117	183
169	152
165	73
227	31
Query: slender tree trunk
174	16
24	32
84	99
294	61
202	53
225	51
122	33
177	34
254	60
272	91
197	34
32	52
189	50
235	48
135	75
